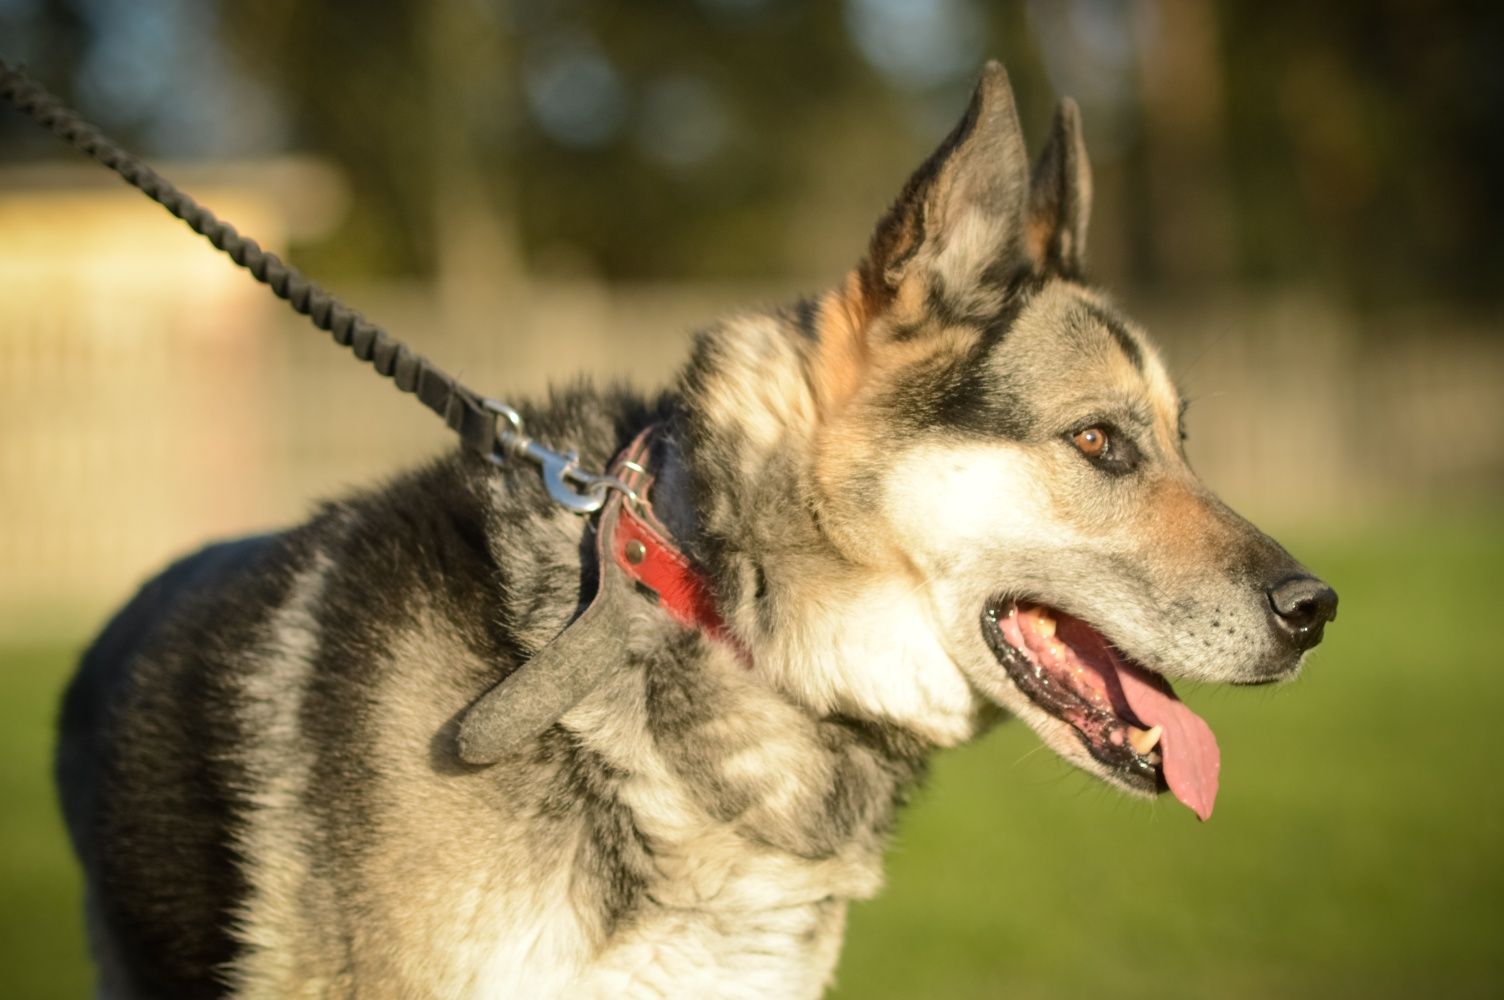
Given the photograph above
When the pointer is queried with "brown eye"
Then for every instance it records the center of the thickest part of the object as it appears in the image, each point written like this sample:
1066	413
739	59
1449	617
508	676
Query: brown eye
1092	441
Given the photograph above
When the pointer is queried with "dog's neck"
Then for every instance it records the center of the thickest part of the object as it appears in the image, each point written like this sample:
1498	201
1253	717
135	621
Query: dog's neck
774	744
824	626
769	786
737	823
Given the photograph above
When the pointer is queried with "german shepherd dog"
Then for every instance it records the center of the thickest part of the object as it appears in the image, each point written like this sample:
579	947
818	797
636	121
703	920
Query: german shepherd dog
949	491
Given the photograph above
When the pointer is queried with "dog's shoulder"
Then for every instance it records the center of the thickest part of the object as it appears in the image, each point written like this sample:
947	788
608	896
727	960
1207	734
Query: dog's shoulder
249	713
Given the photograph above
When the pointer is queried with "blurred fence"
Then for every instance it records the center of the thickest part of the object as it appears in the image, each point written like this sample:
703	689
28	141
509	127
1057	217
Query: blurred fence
152	397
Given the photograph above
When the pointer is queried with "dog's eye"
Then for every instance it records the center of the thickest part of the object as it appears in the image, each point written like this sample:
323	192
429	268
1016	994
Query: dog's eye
1092	442
1107	448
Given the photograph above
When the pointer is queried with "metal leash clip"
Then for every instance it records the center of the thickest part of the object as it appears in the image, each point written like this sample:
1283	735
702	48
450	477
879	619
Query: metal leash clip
568	485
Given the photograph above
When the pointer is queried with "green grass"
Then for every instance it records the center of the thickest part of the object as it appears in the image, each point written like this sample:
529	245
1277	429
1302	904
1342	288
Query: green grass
41	933
1355	851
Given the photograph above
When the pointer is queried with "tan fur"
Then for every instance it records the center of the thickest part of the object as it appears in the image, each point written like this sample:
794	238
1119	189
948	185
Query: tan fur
863	498
1037	235
841	355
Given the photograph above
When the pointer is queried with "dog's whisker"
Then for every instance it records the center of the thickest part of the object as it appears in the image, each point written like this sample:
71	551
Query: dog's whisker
1036	748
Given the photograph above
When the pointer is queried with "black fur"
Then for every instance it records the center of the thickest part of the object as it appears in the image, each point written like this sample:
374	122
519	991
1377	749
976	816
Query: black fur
161	741
148	760
1119	330
163	773
968	393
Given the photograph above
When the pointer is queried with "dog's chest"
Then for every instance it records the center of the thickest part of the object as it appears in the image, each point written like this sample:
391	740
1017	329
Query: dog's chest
740	892
725	917
781	952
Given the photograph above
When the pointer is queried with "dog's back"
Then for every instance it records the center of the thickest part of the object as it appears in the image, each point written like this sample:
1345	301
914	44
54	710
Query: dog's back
951	488
258	770
140	766
211	756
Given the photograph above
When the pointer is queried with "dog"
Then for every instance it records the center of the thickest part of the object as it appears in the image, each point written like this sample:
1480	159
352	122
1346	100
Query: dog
950	491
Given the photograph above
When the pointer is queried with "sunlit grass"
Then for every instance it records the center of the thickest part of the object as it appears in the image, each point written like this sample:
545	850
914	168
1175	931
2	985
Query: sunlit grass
41	932
1354	851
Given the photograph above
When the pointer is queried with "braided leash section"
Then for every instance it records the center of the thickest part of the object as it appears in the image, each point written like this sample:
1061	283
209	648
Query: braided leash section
460	407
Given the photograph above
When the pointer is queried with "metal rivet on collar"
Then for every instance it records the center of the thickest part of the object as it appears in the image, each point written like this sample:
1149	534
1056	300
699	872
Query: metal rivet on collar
636	551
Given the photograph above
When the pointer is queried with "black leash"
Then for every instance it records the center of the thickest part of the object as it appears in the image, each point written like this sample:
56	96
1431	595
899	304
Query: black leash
534	696
467	413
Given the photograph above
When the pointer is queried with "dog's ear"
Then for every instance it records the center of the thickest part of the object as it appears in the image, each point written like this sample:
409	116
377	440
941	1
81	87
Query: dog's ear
1060	198
958	227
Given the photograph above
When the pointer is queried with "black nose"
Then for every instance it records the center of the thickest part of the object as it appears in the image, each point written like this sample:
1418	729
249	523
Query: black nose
1302	607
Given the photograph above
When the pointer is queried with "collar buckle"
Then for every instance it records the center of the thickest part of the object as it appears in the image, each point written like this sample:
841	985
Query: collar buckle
568	485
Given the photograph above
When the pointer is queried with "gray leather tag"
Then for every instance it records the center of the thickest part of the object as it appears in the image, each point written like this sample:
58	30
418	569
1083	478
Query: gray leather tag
538	693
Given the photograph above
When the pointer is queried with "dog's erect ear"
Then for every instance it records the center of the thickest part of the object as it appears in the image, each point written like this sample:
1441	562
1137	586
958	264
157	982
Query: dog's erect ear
1060	198
958	227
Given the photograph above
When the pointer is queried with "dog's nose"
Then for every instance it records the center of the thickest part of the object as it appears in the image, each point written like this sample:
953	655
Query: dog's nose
1302	606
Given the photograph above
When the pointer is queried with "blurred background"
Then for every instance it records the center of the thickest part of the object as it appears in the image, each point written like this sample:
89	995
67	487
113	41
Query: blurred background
1300	201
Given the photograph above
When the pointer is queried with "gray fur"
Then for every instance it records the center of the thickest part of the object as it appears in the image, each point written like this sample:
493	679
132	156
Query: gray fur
264	763
533	698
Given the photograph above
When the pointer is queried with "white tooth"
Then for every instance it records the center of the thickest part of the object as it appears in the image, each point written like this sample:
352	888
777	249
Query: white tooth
1044	625
1143	740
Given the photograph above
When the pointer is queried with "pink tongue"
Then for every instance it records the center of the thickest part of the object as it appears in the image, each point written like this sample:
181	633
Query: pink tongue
1192	761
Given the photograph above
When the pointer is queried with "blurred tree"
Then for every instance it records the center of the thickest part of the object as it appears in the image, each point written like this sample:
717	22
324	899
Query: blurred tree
1351	147
636	140
50	36
1366	145
357	81
1184	152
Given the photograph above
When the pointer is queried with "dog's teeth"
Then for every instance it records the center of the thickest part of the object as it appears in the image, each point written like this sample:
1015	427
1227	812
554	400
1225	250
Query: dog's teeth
1044	625
1144	740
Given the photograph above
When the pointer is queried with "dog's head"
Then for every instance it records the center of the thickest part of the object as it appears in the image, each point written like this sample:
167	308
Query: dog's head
959	482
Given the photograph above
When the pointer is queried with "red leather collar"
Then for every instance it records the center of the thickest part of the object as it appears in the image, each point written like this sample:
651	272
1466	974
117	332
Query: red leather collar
630	544
646	553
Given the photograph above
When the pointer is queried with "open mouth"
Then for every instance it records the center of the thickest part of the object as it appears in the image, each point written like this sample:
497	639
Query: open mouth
1126	716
